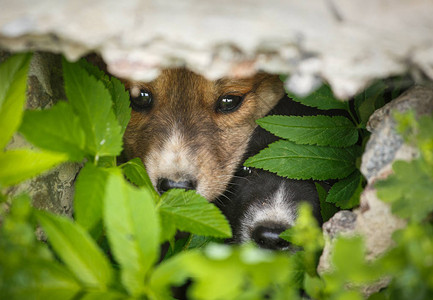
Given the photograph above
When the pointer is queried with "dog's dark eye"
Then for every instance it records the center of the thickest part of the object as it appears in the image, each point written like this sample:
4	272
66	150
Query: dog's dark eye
244	171
229	103
142	101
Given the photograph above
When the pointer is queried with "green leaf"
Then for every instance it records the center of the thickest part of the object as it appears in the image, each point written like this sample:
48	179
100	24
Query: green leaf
121	103
366	101
191	212
408	190
109	295
327	209
358	271
314	286
306	161
306	231
57	129
135	171
335	131
92	103
133	231
77	250
19	165
345	193
323	98
119	95
307	234
174	271
13	79
89	196
41	280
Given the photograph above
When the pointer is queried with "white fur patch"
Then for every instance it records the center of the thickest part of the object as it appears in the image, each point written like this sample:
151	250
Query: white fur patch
278	208
172	161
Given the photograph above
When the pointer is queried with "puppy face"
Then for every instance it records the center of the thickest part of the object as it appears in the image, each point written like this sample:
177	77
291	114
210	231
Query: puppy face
191	132
261	205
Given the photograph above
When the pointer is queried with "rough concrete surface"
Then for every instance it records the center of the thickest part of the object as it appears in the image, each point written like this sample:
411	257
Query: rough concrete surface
346	43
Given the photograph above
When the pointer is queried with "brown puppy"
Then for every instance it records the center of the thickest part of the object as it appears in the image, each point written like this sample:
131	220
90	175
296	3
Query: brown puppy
192	133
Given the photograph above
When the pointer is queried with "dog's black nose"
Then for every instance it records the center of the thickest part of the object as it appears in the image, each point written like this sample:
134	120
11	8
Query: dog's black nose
268	237
165	184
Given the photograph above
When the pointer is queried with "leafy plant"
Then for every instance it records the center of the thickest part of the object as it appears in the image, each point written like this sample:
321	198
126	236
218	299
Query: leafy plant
112	248
321	147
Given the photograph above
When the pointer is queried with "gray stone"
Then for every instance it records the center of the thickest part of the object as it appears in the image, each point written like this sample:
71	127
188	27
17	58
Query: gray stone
373	219
53	190
346	43
385	144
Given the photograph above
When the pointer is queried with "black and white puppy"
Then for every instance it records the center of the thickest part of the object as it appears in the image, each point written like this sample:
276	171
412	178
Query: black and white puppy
260	205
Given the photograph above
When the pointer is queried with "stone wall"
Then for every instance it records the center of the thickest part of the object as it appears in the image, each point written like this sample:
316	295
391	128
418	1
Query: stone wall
346	43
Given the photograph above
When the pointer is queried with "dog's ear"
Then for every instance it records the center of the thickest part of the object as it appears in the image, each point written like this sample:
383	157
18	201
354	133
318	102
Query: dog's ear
96	59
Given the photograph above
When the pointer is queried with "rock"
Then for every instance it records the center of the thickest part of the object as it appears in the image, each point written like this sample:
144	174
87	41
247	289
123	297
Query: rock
373	220
53	190
346	43
385	144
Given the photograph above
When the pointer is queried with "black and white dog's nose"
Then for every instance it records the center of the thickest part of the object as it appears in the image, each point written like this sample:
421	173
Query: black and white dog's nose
268	237
165	184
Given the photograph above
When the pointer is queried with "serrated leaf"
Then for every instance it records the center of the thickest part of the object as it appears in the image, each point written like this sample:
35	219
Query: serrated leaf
191	212
121	103
133	231
334	131
322	98
345	193
119	95
92	103
13	79
77	250
408	190
135	171
89	196
19	165
295	161
57	129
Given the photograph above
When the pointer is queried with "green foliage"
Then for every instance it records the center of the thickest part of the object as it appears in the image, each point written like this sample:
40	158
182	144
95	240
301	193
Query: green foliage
90	190
111	250
88	97
18	165
306	161
369	100
322	147
191	212
327	209
77	250
408	189
312	130
13	78
307	234
345	193
323	98
57	129
133	230
28	269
